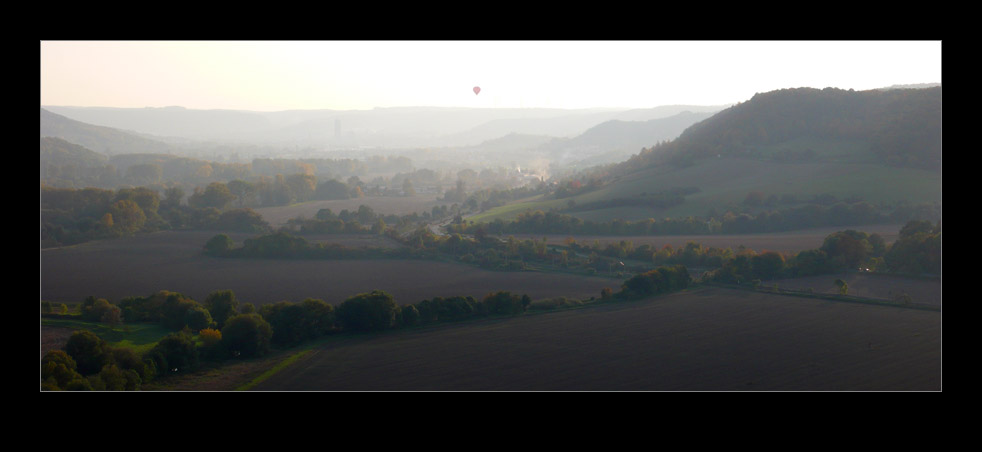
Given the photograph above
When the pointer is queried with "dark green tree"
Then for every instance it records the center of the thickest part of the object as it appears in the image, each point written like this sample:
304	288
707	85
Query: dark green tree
373	311
408	315
247	335
767	265
318	318
219	244
128	359
221	305
179	351
58	371
847	249
216	195
89	351
197	318
503	302
286	319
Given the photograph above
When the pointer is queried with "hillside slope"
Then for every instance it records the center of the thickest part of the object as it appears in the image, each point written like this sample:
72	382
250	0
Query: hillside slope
104	140
900	127
883	147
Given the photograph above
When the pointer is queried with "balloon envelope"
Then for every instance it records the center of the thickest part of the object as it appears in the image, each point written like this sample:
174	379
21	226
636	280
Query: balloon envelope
477	90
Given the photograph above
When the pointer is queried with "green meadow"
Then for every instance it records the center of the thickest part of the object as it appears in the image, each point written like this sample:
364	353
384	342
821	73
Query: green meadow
724	183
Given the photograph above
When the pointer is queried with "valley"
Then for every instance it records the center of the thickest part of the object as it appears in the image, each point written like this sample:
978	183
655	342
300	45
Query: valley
790	241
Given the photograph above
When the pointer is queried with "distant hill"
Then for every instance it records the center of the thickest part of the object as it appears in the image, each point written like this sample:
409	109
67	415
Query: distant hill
912	86
106	140
665	111
171	121
789	146
899	127
401	127
608	142
62	153
616	140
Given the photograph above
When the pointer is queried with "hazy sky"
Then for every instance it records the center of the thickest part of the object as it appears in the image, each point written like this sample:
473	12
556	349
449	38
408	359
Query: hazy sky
342	75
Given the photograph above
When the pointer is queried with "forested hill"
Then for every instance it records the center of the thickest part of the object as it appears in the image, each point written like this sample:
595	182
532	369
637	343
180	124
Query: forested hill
898	127
57	151
105	140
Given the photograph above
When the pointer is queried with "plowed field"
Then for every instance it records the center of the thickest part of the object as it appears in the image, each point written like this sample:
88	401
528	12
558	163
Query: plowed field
703	340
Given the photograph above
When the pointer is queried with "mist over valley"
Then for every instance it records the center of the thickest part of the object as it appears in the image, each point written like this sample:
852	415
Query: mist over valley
785	240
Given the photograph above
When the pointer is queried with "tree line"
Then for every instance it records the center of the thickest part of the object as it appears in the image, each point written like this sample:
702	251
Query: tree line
812	215
221	329
70	216
917	251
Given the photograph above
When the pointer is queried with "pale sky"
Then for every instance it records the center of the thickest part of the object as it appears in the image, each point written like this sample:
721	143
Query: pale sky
360	75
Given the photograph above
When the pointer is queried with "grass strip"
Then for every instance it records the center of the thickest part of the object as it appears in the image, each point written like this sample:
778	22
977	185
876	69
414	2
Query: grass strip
273	370
830	297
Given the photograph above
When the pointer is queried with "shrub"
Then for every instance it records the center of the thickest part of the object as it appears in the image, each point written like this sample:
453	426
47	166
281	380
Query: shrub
218	245
95	310
247	335
58	371
197	318
319	318
211	344
128	359
286	319
221	305
178	351
408	315
660	280
505	303
89	351
553	303
372	311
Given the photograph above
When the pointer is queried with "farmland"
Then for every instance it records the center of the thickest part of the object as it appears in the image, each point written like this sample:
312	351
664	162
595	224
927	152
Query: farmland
172	260
869	285
724	183
704	340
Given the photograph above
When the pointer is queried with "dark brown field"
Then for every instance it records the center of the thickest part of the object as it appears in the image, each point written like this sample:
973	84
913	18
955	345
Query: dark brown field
703	340
782	242
144	264
869	285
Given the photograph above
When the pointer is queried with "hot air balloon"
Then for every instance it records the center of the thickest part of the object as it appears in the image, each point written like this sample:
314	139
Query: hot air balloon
477	90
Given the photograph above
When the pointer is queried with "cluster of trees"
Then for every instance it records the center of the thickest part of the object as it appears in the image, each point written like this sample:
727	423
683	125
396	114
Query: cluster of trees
916	252
69	165
818	214
377	310
87	363
363	220
660	280
70	216
170	309
692	254
221	328
213	331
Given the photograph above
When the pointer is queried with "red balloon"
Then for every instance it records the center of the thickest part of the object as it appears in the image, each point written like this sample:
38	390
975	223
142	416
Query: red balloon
477	90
